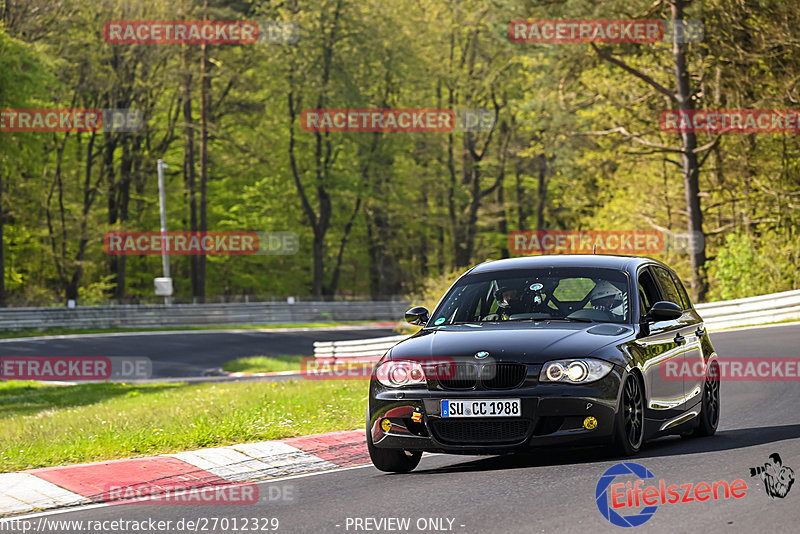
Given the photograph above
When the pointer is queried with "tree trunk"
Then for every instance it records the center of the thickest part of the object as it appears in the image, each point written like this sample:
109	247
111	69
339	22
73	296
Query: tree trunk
89	193
502	225
372	251
337	269
320	221
689	162
317	280
541	197
125	170
522	203
691	169
2	247
384	277
112	200
188	163
205	95
58	253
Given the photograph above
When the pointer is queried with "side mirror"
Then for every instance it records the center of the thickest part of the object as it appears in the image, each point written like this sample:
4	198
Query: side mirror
664	310
418	315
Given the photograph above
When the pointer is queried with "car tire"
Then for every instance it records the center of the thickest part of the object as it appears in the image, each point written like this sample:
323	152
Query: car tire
708	419
392	460
629	422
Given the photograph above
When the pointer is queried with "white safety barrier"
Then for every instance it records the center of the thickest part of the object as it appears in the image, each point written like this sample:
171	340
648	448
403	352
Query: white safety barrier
759	310
356	349
763	309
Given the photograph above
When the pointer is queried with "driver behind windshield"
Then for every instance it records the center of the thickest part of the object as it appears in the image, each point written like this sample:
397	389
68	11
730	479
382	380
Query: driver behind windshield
508	302
512	301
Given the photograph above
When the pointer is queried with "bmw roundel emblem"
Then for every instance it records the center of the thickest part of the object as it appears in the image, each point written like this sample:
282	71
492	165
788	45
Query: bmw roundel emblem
481	355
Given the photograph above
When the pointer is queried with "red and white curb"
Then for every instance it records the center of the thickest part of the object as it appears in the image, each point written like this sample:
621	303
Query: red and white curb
55	487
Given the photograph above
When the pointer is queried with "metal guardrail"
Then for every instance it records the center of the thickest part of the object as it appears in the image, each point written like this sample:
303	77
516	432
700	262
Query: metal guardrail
254	313
759	310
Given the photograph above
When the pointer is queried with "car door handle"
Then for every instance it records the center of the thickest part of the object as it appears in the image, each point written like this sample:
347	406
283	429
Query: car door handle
679	339
700	332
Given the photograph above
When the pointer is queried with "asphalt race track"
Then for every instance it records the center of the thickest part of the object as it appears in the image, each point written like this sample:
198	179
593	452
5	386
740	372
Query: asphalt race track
546	491
188	353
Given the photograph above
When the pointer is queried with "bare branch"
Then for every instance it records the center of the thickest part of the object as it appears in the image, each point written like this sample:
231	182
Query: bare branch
653	223
642	76
634	137
708	147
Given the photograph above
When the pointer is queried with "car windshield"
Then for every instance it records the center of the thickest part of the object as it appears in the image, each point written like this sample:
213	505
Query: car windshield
568	294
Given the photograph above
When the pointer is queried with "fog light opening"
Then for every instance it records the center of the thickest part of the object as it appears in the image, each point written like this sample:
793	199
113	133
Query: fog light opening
590	423
386	425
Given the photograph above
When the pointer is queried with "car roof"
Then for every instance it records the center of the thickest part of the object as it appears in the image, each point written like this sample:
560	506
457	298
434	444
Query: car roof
604	261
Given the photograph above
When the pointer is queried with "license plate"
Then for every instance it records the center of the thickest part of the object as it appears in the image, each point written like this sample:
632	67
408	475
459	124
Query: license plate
482	408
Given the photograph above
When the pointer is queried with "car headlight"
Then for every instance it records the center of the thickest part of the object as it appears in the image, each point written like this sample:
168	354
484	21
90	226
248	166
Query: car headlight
575	371
399	374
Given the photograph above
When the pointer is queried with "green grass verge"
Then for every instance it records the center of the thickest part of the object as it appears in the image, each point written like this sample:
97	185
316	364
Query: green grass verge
33	332
263	364
45	425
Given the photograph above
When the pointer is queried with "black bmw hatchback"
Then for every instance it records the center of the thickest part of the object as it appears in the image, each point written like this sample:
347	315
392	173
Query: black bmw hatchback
542	351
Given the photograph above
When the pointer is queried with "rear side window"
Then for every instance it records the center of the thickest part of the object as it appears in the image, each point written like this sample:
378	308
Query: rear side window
668	289
687	304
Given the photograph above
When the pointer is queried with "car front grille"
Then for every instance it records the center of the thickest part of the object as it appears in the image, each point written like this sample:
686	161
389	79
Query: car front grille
503	375
461	376
467	376
480	432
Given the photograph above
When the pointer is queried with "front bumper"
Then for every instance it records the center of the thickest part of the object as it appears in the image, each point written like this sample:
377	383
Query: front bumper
552	414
